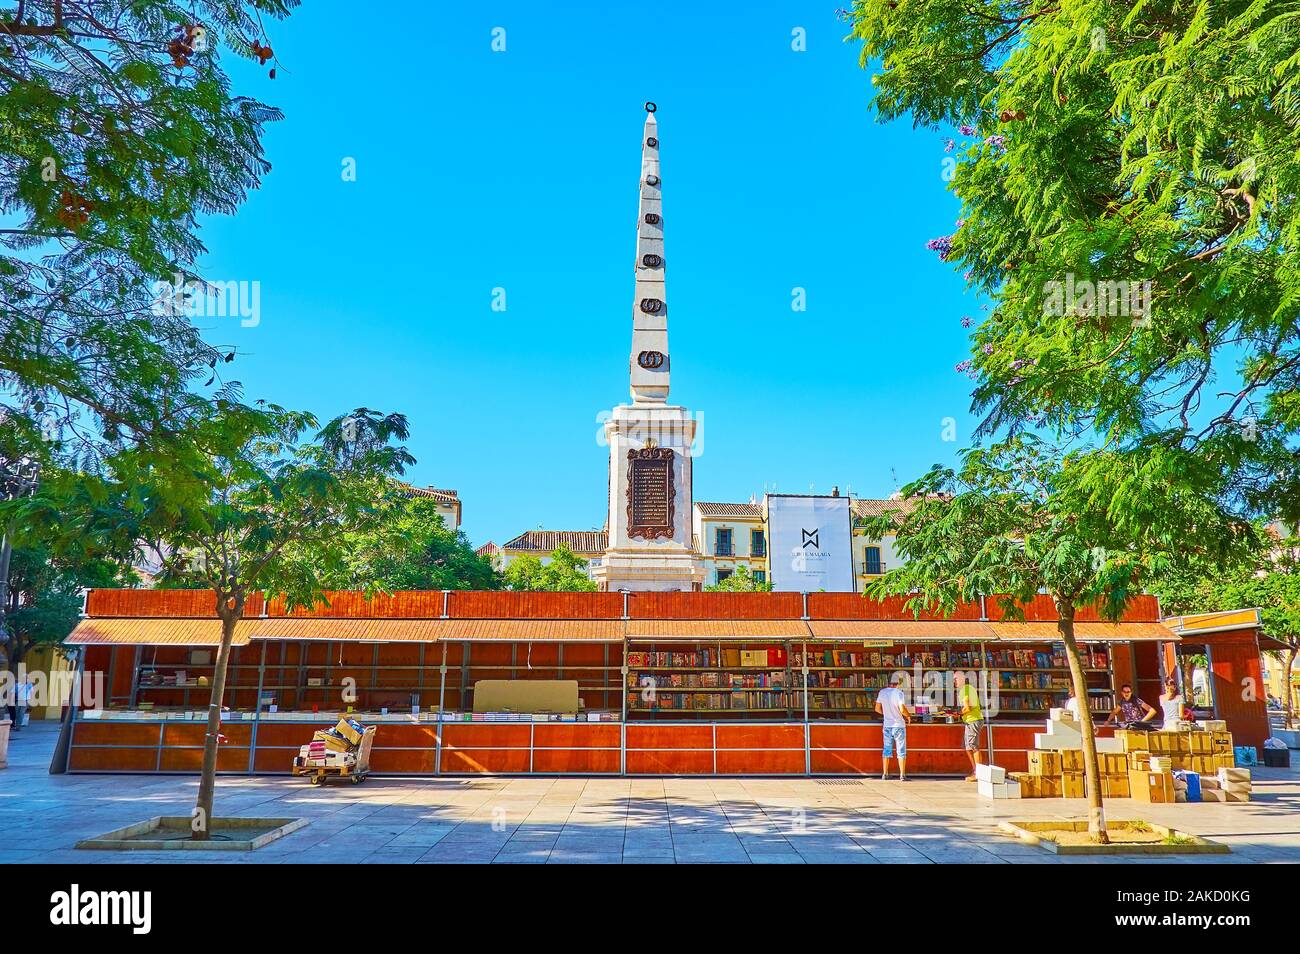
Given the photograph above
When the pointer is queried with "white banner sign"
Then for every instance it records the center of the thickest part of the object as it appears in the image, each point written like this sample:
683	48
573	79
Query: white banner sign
811	543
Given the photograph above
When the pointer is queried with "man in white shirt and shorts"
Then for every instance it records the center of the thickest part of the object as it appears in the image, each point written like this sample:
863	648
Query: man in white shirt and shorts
892	705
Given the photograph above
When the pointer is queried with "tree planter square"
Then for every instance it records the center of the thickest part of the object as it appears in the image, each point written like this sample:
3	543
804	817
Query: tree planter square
1040	833
172	833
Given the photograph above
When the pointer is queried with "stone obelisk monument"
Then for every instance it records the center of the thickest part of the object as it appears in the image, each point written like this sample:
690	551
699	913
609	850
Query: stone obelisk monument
650	441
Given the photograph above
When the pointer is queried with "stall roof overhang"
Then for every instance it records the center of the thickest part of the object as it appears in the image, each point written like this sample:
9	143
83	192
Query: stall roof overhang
156	631
738	629
151	632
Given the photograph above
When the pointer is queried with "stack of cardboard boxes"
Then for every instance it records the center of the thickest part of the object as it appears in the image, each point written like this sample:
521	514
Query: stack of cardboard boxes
1061	775
1136	763
333	747
1229	785
992	781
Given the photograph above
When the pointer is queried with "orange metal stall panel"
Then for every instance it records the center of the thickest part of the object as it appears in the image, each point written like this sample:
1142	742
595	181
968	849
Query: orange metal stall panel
82	759
760	737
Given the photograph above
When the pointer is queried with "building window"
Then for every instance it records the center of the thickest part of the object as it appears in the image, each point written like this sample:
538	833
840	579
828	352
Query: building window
723	574
871	565
722	542
760	576
757	546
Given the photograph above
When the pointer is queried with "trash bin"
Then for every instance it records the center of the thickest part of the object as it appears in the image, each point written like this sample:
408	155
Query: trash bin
1277	758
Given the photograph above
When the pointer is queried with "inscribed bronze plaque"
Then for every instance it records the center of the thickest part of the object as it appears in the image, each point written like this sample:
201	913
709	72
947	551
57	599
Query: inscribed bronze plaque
650	492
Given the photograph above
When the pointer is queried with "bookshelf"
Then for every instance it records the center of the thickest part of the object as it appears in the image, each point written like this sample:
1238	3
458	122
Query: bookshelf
691	681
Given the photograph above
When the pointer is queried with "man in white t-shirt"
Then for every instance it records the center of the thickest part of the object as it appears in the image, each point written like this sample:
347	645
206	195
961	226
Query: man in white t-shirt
892	705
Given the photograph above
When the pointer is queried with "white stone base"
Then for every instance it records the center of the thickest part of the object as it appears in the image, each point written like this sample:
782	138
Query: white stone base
653	569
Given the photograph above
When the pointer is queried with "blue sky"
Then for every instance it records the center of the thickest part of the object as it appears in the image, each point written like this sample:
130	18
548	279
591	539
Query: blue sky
518	170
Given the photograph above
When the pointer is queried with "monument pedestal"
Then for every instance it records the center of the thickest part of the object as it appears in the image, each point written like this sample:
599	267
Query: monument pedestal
650	546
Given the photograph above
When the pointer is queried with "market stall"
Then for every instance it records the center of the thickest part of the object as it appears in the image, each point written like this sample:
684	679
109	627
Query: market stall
680	683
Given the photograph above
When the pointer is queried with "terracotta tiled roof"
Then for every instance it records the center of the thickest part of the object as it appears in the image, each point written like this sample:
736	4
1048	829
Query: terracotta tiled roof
442	496
867	507
708	509
544	541
488	549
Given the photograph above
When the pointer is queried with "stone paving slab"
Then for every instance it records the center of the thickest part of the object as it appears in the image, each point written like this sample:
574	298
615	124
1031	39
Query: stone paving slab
602	821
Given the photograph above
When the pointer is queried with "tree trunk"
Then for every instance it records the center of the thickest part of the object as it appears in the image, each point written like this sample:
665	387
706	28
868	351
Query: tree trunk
200	822
1288	692
1091	769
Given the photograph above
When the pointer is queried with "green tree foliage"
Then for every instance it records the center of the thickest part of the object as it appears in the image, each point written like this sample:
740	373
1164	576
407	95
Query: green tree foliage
45	593
1267	579
1111	141
118	130
242	504
741	581
565	573
1020	517
413	549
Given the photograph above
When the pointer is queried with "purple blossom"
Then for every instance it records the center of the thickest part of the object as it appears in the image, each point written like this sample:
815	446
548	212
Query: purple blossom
967	130
968	275
1014	381
962	366
996	141
1017	364
967	321
988	349
942	245
960	223
949	145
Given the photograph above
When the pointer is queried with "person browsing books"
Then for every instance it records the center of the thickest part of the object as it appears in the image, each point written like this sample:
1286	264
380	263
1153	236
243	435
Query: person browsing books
892	705
972	717
1131	712
1171	703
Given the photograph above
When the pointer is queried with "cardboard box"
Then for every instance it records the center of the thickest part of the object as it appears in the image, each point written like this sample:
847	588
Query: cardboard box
1139	761
350	731
1213	794
1009	789
1133	739
1112	763
1224	760
990	773
1072	760
1115	786
1213	725
1202	764
332	742
1153	787
1231	796
1161	763
1044	763
1037	786
1228	774
1073	786
1222	741
1200	743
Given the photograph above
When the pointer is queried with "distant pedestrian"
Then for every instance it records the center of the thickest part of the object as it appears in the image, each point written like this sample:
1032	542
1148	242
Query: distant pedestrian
972	717
22	700
892	705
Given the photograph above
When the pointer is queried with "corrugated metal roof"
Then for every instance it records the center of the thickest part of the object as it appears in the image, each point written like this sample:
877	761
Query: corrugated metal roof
357	630
153	632
516	630
1111	632
717	629
896	629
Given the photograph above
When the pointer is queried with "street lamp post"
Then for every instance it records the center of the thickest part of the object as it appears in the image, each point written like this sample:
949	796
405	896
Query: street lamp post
17	479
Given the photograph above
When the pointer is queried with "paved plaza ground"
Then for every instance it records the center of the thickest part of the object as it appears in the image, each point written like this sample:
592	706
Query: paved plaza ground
611	820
